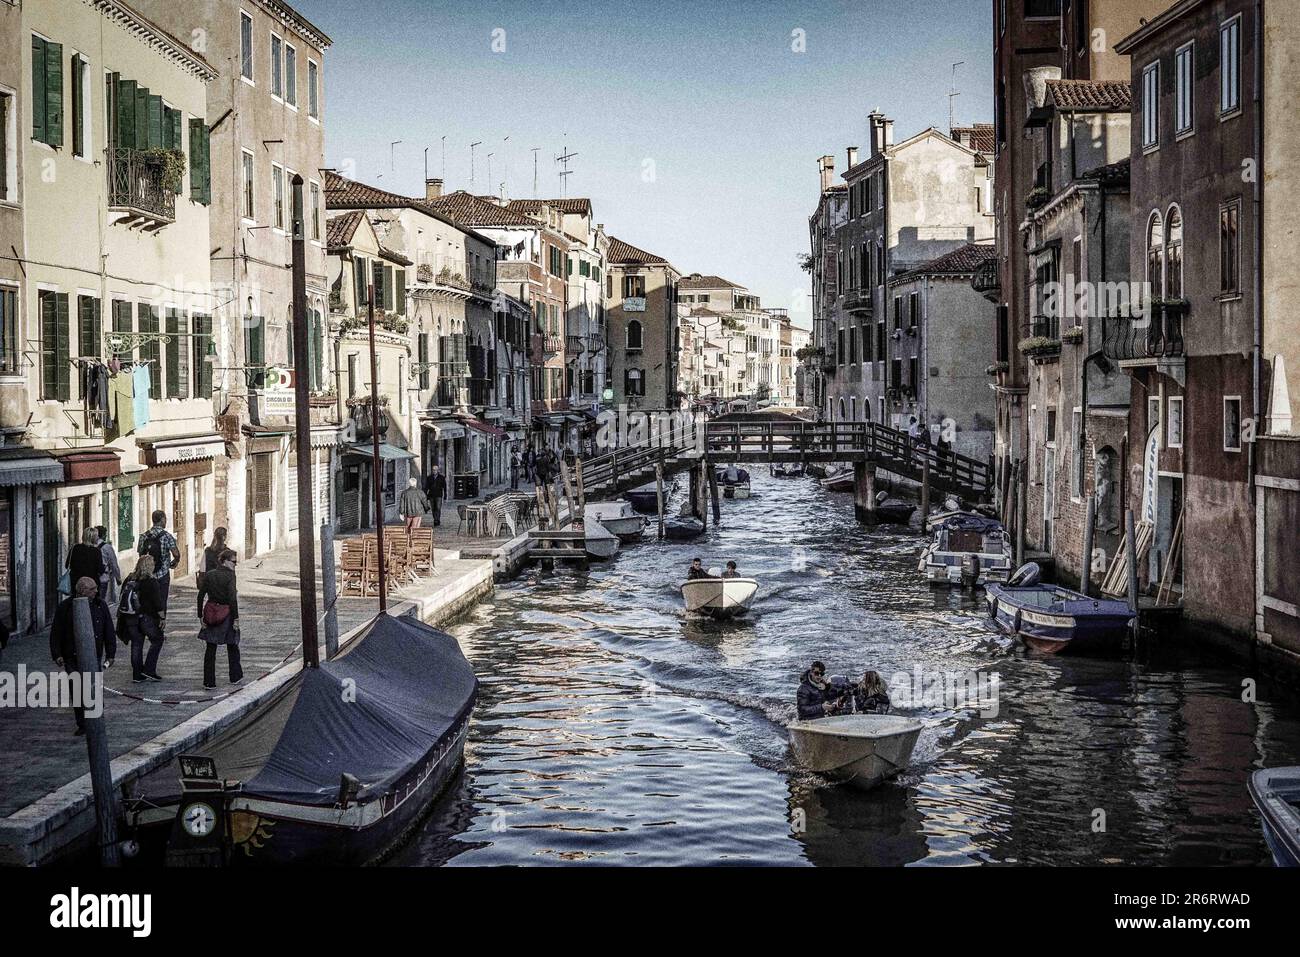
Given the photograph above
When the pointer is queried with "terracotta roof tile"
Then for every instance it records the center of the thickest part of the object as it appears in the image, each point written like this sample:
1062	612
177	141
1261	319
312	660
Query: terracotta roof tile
339	229
621	252
696	281
578	206
1104	95
980	136
469	210
964	260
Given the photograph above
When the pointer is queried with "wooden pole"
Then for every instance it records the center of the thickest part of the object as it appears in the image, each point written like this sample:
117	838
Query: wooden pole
330	589
1022	511
1130	540
711	477
659	492
925	490
101	775
582	492
1085	575
302	430
374	445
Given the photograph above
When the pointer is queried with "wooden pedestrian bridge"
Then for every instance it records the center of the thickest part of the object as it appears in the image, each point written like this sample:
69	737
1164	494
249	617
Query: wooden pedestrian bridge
867	446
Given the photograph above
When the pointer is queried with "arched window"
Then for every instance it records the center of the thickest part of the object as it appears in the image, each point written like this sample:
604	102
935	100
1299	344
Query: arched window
634	334
853	409
841	410
1155	255
1174	255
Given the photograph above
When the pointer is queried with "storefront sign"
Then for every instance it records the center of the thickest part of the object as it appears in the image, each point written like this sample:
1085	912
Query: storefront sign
278	403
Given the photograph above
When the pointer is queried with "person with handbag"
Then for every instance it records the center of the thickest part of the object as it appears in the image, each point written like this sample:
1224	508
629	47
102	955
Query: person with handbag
220	616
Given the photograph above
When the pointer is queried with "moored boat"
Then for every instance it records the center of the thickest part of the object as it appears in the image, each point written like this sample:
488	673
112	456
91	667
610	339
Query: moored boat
683	529
787	471
861	749
894	511
719	597
1276	793
736	487
966	547
645	502
620	518
1054	619
600	542
838	479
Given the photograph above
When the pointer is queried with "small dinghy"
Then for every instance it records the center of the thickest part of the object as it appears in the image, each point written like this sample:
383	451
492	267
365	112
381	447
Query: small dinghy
893	511
620	518
719	597
1054	619
600	541
840	480
737	487
787	471
1276	793
645	502
862	749
683	529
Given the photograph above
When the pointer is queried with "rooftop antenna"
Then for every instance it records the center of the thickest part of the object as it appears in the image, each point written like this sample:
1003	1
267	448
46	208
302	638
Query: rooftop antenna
426	164
563	160
471	164
392	153
489	159
953	94
444	159
535	149
504	152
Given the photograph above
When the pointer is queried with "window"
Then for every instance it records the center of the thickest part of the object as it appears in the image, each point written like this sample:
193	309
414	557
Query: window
634	382
255	351
634	287
1230	66
313	90
151	351
1184	80
200	161
913	309
47	91
634	334
1155	256
277	66
1174	255
89	327
1232	423
178	357
1174	435
1151	106
290	75
55	371
8	147
277	196
248	185
1076	454
352	375
1153	416
1229	249
201	349
315	211
246	46
8	330
80	100
1042	9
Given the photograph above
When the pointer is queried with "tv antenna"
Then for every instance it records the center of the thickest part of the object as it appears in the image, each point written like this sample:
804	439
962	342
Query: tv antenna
471	163
563	160
953	94
535	149
392	154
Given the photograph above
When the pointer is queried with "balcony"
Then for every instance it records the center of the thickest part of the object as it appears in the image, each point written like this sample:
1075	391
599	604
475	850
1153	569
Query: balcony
137	186
1044	341
552	345
1146	340
987	280
828	363
859	300
573	345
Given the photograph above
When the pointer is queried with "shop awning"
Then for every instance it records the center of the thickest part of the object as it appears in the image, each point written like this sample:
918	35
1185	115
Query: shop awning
478	425
182	448
23	466
387	453
84	465
446	429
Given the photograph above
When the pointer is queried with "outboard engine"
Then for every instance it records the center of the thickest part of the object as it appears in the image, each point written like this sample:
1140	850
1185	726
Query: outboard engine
970	570
1026	575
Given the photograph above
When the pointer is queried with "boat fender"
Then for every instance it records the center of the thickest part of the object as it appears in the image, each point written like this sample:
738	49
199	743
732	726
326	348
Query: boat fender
1016	624
993	608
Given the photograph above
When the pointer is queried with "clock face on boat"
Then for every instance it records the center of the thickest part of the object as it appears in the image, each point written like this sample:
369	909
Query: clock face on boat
198	820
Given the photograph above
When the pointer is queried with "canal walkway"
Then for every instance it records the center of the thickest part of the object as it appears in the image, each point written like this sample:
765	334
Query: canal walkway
45	798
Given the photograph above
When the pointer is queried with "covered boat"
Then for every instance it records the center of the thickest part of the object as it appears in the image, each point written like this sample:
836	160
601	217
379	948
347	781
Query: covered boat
644	501
1276	793
1054	619
736	487
334	769
620	518
893	511
966	546
683	528
719	597
600	541
862	749
788	471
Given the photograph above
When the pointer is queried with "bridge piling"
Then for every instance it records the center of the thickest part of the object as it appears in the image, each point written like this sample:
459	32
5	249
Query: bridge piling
864	492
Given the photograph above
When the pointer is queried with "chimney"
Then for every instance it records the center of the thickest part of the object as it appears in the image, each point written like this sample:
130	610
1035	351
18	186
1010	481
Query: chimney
852	152
827	166
432	188
874	120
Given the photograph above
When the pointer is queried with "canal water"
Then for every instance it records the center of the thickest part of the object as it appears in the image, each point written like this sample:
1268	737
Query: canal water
612	728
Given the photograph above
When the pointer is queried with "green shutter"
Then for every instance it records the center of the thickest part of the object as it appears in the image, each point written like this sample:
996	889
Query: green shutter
54	94
63	370
141	141
390	301
401	292
177	142
377	279
126	97
173	354
359	280
88	326
155	122
200	168
38	90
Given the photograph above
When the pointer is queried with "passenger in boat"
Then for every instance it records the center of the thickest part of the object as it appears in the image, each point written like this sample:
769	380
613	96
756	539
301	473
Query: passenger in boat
816	697
697	570
732	475
871	694
731	571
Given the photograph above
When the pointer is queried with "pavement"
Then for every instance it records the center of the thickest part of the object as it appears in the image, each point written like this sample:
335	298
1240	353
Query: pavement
40	757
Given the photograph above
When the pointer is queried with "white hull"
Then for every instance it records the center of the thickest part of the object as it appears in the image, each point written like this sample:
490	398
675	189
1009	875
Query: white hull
719	597
619	518
861	749
600	542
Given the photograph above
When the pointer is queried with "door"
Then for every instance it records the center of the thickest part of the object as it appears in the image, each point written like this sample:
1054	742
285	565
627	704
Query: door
250	512
181	522
1049	495
53	556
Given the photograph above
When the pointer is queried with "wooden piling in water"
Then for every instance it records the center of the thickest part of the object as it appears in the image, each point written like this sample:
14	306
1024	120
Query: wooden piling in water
659	492
1130	539
1090	521
1022	510
925	491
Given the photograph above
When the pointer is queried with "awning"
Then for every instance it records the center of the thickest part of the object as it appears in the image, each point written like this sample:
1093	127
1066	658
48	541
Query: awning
446	430
182	448
23	466
387	453
478	425
82	465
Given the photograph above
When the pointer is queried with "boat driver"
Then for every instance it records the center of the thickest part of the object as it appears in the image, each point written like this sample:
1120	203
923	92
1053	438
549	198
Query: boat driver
816	697
697	569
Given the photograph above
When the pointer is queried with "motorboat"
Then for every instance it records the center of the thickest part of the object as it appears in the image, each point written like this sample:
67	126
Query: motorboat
1276	793
600	541
620	518
644	501
893	511
734	488
966	548
838	480
1054	619
819	471
787	471
861	749
719	597
683	529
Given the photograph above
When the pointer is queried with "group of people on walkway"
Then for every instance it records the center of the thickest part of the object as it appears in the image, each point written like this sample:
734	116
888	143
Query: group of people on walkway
538	468
820	696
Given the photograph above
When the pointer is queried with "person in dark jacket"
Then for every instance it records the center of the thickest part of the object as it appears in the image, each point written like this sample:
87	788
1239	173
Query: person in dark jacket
871	695
212	554
697	570
515	466
435	490
412	505
219	612
815	698
139	619
85	560
63	636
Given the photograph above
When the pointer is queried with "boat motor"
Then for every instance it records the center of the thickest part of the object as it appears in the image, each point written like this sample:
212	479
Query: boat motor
1026	575
970	570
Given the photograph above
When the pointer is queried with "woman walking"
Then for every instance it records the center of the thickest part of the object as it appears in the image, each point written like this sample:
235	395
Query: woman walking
85	559
111	579
220	617
139	619
212	554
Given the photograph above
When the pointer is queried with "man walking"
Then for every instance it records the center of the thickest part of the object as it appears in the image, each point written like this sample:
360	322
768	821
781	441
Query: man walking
412	506
435	490
160	545
514	471
63	639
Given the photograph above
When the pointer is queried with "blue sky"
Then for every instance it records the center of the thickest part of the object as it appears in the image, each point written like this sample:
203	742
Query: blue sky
696	127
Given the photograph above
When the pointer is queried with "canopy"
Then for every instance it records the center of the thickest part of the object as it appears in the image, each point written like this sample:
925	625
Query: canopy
387	453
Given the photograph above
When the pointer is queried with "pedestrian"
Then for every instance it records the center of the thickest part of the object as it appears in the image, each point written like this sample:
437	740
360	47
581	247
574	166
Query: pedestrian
412	506
139	619
514	470
529	464
212	554
85	559
435	490
160	545
111	578
63	636
220	616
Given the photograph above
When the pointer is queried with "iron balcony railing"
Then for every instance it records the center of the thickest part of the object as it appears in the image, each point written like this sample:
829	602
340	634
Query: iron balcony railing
1158	335
988	278
859	300
136	185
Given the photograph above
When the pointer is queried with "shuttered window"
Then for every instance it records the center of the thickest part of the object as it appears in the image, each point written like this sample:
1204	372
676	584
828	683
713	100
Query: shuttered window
79	68
6	106
316	368
399	291
89	326
290	75
123	322
246	46
422	357
47	91
151	351
55	332
200	162
255	351
178	355
201	347
8	331
263	472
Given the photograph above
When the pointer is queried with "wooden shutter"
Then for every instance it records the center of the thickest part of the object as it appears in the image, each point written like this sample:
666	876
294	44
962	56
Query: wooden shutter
201	346
156	122
89	326
389	300
400	291
38	91
141	118
359	276
200	162
56	374
377	278
126	100
173	355
54	100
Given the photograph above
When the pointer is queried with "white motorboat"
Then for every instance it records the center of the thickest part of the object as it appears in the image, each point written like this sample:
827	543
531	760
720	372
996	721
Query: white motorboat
839	480
966	548
600	541
719	597
617	517
862	749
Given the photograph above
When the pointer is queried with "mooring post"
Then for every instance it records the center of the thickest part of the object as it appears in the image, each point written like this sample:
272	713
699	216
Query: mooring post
1022	511
659	491
1085	566
329	589
925	490
1130	540
101	774
712	478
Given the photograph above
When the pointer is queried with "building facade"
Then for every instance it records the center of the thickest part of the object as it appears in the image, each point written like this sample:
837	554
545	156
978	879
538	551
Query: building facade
641	303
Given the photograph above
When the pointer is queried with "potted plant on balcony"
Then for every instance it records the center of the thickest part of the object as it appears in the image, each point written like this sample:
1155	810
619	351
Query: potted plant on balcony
1039	346
1073	336
997	368
1038	196
170	165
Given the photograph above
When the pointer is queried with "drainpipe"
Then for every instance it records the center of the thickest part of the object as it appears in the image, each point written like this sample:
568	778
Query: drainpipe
1257	281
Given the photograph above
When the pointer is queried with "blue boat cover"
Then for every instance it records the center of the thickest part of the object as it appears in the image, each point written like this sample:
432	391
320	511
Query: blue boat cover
374	712
971	522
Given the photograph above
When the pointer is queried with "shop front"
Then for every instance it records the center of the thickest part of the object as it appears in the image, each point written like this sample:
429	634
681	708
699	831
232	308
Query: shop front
356	503
24	474
178	480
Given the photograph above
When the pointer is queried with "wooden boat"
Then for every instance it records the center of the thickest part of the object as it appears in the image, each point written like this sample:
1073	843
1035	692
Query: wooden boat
618	517
1054	619
336	768
645	502
601	543
862	749
719	597
787	471
894	511
966	547
819	471
734	489
840	480
1276	793
683	529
